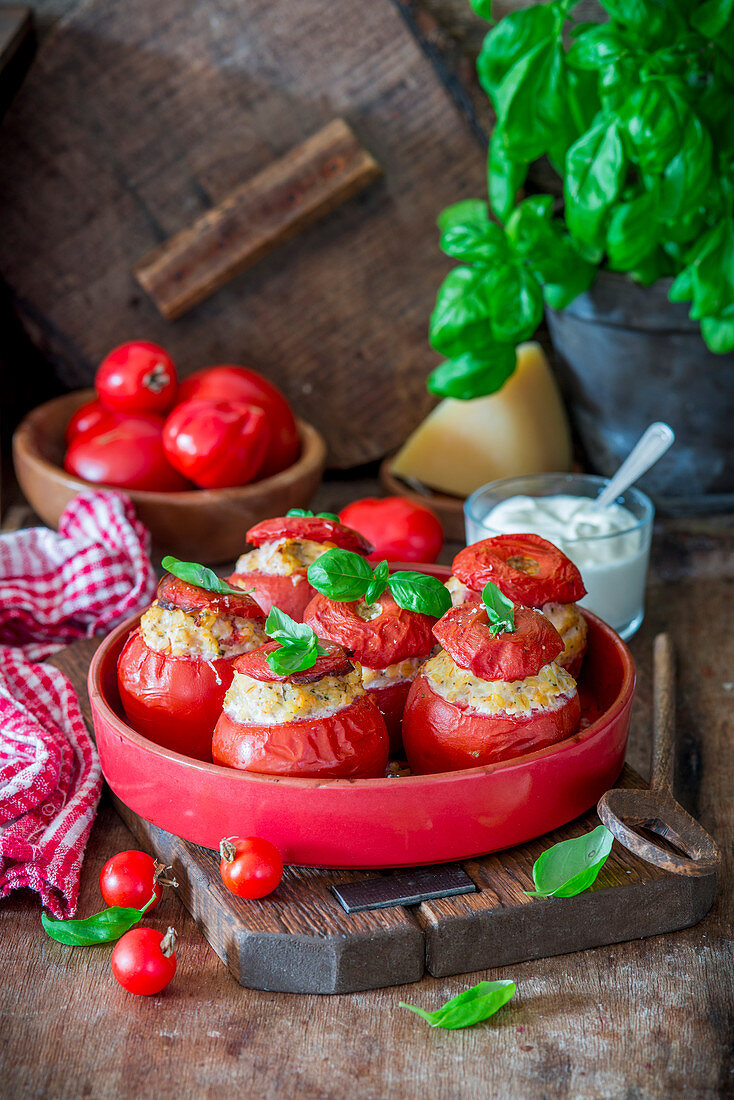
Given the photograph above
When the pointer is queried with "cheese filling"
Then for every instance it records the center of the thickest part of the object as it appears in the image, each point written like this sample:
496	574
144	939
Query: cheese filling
282	558
254	702
459	592
203	634
549	690
373	678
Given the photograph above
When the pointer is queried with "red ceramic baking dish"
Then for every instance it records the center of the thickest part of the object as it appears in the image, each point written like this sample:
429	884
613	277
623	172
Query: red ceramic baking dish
375	822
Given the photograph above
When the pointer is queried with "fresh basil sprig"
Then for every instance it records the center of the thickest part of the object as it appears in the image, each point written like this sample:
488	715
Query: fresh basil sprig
500	609
299	644
570	867
307	512
345	576
470	1007
102	927
200	575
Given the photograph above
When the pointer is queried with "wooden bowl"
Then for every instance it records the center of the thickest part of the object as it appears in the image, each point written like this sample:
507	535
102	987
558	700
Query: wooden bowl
198	525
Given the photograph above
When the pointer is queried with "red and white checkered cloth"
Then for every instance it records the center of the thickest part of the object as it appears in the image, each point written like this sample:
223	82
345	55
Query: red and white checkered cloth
55	589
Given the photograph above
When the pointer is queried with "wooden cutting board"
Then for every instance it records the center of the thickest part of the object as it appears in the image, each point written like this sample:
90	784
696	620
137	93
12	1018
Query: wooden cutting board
137	118
300	939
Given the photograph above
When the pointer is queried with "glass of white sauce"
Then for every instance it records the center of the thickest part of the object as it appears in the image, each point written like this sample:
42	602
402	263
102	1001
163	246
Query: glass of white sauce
611	546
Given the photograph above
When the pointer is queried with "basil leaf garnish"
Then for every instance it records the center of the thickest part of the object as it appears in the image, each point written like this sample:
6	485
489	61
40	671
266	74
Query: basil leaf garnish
193	573
570	867
378	583
102	927
340	575
470	1007
299	512
308	512
500	610
420	592
299	643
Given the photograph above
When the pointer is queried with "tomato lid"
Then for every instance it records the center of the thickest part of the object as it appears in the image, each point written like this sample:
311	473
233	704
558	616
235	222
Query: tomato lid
464	634
393	635
527	568
313	528
254	664
173	592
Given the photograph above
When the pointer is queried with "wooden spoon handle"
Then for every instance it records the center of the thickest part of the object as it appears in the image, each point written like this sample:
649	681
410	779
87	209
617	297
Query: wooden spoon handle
663	737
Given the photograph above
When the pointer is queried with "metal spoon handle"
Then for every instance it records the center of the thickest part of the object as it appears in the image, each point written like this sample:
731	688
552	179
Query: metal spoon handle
651	446
663	734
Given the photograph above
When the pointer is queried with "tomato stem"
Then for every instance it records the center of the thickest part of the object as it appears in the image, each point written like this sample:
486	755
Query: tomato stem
158	869
168	943
227	850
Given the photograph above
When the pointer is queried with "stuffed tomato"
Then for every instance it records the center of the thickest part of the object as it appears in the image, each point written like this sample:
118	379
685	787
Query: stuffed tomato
389	642
488	696
534	572
275	571
314	723
176	667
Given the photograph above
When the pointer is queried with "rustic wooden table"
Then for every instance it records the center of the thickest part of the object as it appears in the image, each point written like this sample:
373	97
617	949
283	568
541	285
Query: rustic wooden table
650	1018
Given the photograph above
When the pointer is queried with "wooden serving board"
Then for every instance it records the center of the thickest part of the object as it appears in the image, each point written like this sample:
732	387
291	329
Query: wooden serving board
300	940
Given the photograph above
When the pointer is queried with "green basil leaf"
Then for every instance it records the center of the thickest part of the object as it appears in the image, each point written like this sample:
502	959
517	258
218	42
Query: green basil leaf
597	46
712	18
516	303
283	628
682	288
470	1007
654	119
307	512
471	375
193	573
578	277
468	234
632	232
718	332
378	584
500	610
460	321
420	592
102	927
518	100
506	175
595	169
513	37
482	8
340	575
687	175
329	515
295	656
571	867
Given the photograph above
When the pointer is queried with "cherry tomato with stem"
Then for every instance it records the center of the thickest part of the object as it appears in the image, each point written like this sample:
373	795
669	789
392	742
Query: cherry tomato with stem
231	383
217	444
131	878
129	455
137	377
250	866
398	529
144	960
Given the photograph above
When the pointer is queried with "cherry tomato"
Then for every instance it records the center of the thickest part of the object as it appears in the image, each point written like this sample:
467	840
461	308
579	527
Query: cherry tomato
137	377
440	736
250	866
527	568
398	529
217	444
228	383
128	879
312	528
512	655
129	455
144	960
92	417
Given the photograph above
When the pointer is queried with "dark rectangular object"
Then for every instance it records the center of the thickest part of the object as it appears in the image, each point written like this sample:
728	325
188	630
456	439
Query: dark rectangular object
407	888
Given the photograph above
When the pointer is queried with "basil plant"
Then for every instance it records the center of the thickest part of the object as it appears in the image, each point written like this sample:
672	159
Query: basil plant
636	116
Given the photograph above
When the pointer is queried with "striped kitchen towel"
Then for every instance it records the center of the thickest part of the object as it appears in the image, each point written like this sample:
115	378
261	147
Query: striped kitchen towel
54	589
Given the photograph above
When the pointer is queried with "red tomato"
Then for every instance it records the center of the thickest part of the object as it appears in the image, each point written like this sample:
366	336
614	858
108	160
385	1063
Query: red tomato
334	662
393	635
440	736
91	417
313	528
128	879
464	634
129	455
250	866
173	701
217	444
398	529
173	592
352	742
137	377
143	960
228	383
527	568
288	593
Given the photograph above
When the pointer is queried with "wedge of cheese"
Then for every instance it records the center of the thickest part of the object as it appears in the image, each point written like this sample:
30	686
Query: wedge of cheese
521	429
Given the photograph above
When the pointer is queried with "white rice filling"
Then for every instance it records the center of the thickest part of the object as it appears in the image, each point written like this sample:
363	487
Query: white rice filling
571	625
282	557
203	634
549	690
373	678
254	702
